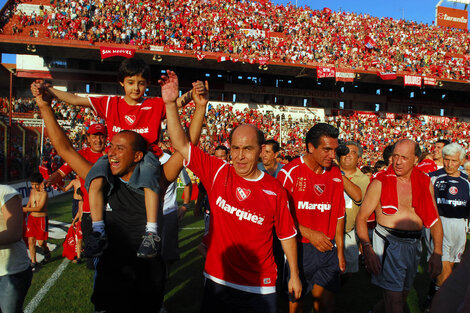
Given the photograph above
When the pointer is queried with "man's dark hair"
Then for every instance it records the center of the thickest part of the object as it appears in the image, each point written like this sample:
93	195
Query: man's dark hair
367	169
259	134
138	143
36	177
318	131
133	66
274	145
220	147
388	151
444	141
379	164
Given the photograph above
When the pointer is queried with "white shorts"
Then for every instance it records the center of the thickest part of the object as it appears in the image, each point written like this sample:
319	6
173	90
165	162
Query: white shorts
399	257
455	238
351	252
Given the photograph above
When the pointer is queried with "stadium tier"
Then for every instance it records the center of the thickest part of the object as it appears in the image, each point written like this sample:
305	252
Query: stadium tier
249	31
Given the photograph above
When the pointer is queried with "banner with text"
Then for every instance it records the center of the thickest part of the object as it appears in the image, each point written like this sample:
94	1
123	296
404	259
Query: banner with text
411	80
325	72
107	52
451	17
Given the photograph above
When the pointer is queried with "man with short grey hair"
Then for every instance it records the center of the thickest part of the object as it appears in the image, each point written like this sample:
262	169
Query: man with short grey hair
355	186
452	193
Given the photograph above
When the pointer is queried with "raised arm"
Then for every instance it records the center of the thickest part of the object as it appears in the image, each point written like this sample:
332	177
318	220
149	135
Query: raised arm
59	140
169	85
199	89
67	97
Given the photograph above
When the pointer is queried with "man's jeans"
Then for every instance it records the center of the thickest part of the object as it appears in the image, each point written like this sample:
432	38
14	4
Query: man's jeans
13	289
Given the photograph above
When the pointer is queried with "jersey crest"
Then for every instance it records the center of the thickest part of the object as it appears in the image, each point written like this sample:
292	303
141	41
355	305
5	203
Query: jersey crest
453	190
242	193
319	189
130	119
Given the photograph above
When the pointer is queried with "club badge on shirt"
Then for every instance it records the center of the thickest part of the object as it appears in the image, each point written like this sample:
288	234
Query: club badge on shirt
130	119
242	193
319	189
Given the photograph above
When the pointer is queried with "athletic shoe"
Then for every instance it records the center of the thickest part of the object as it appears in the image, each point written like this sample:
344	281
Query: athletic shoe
149	246
97	242
34	267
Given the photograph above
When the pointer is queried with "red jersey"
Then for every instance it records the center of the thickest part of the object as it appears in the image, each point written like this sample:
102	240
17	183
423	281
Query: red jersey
144	118
243	214
92	157
317	199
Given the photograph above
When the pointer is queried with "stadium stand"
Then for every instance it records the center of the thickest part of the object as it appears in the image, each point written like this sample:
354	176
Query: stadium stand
254	32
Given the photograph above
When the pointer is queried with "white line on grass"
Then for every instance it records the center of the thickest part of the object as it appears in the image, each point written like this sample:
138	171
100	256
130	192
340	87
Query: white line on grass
33	304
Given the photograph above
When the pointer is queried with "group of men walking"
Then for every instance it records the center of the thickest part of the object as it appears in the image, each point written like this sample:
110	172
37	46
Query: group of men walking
317	206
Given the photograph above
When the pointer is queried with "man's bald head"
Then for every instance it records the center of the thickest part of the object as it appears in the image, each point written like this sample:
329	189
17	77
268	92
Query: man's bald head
405	154
256	132
415	147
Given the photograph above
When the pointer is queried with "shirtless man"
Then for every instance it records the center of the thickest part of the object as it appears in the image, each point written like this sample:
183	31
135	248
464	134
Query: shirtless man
403	200
37	227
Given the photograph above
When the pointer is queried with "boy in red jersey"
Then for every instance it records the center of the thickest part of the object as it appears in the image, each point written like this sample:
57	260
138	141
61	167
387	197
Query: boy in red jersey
142	115
315	187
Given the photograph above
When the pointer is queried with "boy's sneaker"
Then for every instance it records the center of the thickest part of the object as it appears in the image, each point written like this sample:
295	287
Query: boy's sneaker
97	242
149	246
34	267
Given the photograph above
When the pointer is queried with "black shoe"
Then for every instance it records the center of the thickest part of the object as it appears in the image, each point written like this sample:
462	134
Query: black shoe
47	256
149	246
34	267
96	243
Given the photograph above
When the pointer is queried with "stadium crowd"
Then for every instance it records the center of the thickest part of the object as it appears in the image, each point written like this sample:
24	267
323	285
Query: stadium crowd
250	30
372	131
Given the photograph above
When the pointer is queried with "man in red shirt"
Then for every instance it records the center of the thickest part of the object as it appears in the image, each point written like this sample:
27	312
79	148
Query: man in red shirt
96	138
315	187
245	205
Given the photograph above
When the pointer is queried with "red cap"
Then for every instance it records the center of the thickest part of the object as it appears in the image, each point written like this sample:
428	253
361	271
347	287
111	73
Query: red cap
97	129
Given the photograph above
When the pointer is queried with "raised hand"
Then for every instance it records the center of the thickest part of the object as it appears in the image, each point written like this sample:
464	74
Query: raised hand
200	93
170	87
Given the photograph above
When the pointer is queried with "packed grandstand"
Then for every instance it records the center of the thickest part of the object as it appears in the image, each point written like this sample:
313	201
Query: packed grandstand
250	31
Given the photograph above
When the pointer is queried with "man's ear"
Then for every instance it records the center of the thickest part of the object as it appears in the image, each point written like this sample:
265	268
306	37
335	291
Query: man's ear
310	147
138	156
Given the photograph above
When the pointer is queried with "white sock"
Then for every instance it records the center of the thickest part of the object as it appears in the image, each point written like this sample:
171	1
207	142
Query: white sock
98	226
152	227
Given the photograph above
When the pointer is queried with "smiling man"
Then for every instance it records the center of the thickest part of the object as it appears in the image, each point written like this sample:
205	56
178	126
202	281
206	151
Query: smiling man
123	282
315	188
452	193
402	198
245	204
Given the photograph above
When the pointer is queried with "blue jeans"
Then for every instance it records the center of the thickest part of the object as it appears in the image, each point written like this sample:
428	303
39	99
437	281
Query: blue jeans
13	289
146	173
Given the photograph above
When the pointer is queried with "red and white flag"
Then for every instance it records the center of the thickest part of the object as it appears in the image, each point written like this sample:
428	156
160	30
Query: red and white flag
263	60
429	81
200	56
222	59
370	42
387	75
412	80
107	52
325	72
344	75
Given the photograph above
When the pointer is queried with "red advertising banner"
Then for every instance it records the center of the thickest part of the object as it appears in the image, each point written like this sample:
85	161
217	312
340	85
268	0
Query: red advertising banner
344	75
451	17
390	116
107	52
411	80
325	72
430	81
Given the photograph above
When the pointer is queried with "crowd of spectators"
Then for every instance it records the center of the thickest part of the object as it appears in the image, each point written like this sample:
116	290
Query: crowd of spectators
371	130
248	30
